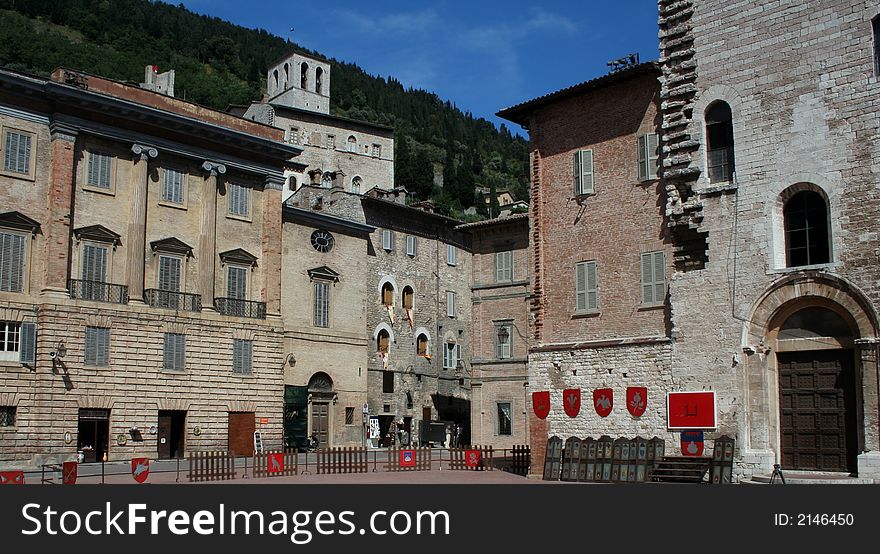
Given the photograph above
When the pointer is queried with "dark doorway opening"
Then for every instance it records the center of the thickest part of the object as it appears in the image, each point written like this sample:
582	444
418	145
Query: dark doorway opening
93	438
296	417
321	423
172	434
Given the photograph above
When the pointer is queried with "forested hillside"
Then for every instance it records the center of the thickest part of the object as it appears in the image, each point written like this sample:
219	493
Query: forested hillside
218	63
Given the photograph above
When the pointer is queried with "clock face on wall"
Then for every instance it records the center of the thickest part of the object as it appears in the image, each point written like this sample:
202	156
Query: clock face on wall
322	241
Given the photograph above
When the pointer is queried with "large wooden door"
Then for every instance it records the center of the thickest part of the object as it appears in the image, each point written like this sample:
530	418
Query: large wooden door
321	423
241	433
164	439
817	410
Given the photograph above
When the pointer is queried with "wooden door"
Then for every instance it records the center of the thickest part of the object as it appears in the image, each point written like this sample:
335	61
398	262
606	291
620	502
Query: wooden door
164	438
817	410
321	423
426	414
241	433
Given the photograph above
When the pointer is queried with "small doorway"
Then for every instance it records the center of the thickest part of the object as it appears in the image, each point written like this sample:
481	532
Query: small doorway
172	433
93	437
321	423
241	433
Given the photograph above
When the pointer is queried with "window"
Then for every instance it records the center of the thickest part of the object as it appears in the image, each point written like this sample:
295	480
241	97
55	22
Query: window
450	254
586	287
292	183
303	75
7	416
653	278
11	262
719	139
349	415
503	267
387	294
382	341
806	230
408	297
451	355
169	273
584	182
322	304
174	352
326	180
387	381
99	170
450	303
410	246
649	156
173	186
236	283
876	24
17	149
10	340
356	185
503	340
242	356
238	200
322	241
422	345
331	142
505	421
352	144
377	150
319	80
97	346
293	135
387	240
94	263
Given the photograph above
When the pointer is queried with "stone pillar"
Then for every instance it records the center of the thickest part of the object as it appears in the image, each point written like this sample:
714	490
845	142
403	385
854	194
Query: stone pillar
137	221
208	240
869	457
272	244
59	207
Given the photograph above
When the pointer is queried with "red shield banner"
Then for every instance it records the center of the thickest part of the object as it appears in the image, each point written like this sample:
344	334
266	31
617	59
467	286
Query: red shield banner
472	458
68	473
636	400
140	469
11	478
407	458
541	404
571	401
692	443
603	401
275	462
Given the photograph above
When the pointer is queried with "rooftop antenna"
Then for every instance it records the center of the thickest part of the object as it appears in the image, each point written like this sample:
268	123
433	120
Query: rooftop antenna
624	62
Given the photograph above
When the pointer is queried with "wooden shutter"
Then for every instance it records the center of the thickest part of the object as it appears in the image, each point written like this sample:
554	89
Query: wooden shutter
653	155
450	303
94	264
387	239
457	354
103	344
383	342
586	286
503	267
169	273
94	170
322	304
172	190
91	346
448	350
17	153
99	170
9	150
659	277
653	278
450	254
592	286
11	262
236	283
242	356
643	158
27	346
410	245
583	172
175	352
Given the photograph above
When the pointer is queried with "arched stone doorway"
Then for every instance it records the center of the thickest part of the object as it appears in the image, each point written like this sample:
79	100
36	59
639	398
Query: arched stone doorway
321	398
811	374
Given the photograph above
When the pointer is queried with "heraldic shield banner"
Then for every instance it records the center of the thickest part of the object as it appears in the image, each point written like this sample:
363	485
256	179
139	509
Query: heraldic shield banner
541	404
140	469
603	401
571	401
636	400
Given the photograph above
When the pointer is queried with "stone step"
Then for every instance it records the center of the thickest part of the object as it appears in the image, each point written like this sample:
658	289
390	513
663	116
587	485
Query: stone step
812	478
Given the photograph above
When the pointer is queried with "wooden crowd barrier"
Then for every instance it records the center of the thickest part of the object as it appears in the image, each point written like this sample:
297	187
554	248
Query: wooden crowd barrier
211	466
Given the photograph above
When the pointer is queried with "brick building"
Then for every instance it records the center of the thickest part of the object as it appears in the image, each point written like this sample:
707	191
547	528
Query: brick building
140	293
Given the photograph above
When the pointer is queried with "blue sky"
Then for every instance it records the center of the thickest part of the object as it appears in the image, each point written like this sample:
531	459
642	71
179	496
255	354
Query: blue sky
482	55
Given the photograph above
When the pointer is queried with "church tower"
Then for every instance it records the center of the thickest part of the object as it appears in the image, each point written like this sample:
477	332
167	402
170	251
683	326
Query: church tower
301	82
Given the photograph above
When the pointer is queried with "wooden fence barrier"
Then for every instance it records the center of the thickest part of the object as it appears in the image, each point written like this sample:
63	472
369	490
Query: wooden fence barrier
211	466
342	460
421	459
522	459
266	463
459	459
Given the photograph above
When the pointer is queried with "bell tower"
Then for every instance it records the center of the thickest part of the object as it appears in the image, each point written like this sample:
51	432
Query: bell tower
300	81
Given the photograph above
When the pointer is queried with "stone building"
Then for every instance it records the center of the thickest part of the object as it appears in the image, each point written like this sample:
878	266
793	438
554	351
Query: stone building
140	289
500	291
772	167
357	155
601	257
418	307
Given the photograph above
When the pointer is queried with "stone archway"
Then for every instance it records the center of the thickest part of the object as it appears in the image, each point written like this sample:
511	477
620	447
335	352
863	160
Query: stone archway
782	361
321	399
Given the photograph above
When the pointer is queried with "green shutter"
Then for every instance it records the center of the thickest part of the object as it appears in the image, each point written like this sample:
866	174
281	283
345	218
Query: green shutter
581	286
659	277
103	358
27	348
653	155
643	158
647	278
592	287
586	164
576	172
11	262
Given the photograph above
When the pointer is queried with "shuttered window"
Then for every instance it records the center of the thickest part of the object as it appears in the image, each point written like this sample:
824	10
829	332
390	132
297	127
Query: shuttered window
10	340
94	263
450	254
174	358
450	303
242	356
653	278
410	245
97	346
17	152
387	240
587	286
238	199
28	344
169	273
503	267
172	187
99	170
451	355
648	156
503	340
236	283
584	182
11	262
322	305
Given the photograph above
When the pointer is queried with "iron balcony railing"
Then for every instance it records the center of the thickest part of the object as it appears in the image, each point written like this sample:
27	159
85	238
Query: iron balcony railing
721	165
173	300
98	291
240	308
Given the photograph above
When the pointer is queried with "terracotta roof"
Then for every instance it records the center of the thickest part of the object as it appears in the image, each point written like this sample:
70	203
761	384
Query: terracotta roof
496	221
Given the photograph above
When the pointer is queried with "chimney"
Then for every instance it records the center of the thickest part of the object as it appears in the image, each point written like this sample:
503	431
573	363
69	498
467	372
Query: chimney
163	83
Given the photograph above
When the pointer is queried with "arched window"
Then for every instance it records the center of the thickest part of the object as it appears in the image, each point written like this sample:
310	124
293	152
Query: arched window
352	144
387	294
408	297
291	183
876	25
304	75
806	230
382	341
326	180
356	185
422	345
275	80
319	80
814	322
286	74
719	142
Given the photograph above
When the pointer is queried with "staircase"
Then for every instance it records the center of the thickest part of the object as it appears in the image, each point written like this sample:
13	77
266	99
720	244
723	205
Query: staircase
681	469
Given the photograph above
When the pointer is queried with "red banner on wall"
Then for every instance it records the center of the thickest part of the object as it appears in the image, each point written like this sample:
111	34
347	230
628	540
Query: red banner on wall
691	410
541	404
